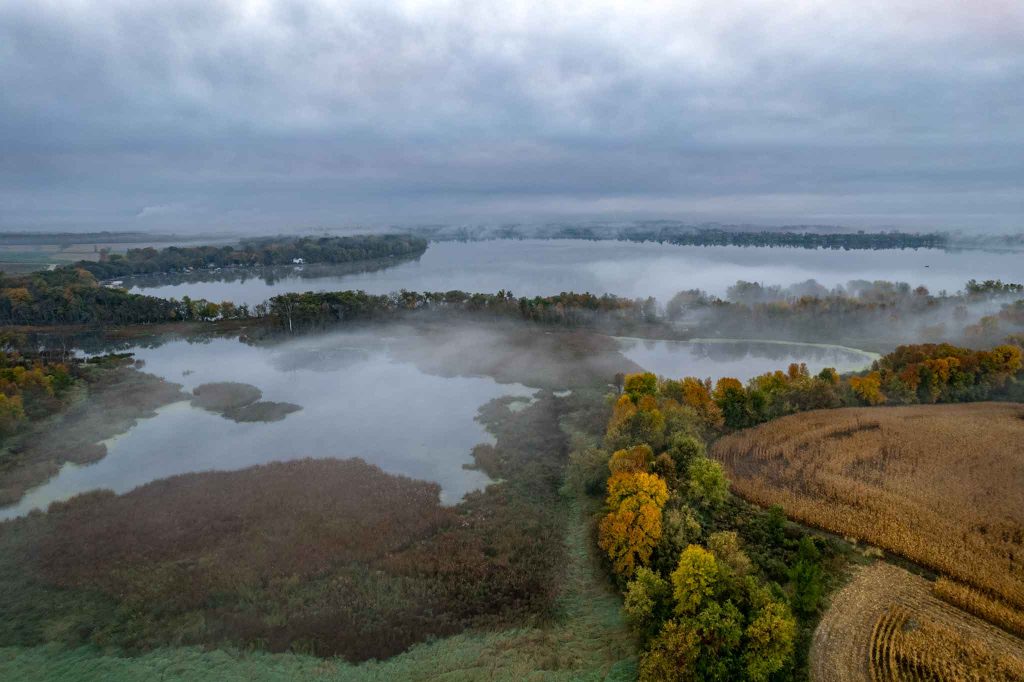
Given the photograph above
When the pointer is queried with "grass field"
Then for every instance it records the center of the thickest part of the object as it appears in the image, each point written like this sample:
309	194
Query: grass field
887	625
937	484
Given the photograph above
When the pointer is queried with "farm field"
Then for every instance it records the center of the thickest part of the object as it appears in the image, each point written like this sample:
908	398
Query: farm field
936	484
886	625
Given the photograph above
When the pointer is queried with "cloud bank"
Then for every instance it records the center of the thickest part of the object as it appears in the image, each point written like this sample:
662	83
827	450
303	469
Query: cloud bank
277	115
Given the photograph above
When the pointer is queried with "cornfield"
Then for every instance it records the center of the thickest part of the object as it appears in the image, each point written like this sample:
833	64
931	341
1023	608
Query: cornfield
886	625
938	484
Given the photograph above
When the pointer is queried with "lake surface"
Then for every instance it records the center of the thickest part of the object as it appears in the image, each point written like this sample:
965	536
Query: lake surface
357	401
363	394
738	359
543	267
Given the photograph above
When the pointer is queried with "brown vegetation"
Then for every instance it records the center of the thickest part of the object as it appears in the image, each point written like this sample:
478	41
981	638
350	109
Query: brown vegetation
240	402
886	625
939	484
327	557
980	604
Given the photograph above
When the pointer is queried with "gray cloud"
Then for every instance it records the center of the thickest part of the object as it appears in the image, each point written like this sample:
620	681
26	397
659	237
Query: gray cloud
273	115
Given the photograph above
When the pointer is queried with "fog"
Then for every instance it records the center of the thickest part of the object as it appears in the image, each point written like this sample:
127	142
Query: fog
402	396
875	315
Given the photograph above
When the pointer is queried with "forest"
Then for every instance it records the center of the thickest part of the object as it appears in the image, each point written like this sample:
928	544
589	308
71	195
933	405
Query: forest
252	252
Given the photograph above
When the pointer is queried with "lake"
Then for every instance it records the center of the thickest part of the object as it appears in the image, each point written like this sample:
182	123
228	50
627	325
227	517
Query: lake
357	401
635	270
738	359
391	394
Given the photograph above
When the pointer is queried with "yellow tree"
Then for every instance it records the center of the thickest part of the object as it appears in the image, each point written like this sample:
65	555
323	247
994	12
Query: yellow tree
868	388
632	528
695	579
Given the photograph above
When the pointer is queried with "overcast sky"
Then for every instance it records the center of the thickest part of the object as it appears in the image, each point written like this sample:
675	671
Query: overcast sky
279	115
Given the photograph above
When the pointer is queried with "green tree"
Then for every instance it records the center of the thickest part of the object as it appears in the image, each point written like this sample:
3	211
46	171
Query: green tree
806	576
707	486
725	545
695	580
684	448
705	646
770	638
648	602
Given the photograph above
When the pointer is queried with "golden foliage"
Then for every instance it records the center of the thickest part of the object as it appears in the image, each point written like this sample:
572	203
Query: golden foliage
636	458
632	528
868	388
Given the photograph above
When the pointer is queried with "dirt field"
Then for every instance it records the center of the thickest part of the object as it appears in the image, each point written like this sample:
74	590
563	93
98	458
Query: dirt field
886	625
938	484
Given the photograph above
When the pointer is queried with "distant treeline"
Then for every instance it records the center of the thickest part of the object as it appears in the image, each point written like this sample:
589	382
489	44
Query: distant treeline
803	240
872	313
255	252
688	235
305	310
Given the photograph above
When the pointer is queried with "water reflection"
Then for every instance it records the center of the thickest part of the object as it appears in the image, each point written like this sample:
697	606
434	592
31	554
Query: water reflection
370	405
543	267
739	359
402	397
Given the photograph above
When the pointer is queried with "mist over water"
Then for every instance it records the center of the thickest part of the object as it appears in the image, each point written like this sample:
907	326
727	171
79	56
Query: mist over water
356	399
634	270
738	359
403	397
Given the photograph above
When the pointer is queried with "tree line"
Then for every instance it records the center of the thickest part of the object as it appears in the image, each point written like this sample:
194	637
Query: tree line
319	309
253	252
804	240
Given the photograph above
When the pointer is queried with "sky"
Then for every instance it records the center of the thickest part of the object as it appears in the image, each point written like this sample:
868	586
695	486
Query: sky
279	115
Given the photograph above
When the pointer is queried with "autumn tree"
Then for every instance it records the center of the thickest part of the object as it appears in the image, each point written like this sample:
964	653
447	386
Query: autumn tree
695	580
868	388
641	384
632	528
636	458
